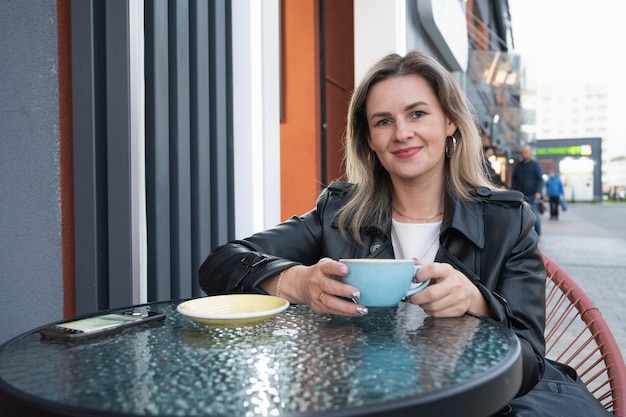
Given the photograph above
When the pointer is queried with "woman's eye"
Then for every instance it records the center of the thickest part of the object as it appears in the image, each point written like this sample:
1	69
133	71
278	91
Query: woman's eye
383	122
417	114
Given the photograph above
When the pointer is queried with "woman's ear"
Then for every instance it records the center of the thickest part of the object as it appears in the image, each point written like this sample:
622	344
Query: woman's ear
451	129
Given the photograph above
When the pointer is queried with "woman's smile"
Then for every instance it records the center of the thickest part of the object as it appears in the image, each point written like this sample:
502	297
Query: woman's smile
406	153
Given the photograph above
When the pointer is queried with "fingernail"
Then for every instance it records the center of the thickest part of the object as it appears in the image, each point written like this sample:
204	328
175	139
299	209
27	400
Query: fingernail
356	294
343	269
361	310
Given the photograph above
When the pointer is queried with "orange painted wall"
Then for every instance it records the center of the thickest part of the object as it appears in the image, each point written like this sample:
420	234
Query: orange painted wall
339	80
67	155
300	125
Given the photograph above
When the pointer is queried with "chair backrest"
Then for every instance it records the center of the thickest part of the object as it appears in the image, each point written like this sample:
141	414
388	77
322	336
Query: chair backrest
576	334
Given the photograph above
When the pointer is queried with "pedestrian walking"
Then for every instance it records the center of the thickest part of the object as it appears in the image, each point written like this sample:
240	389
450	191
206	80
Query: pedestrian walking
528	178
554	190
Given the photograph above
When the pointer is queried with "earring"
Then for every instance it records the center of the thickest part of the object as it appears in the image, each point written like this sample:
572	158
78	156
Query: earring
449	152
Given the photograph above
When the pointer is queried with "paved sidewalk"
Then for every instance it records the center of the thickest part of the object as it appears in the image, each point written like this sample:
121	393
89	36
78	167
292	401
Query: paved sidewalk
589	243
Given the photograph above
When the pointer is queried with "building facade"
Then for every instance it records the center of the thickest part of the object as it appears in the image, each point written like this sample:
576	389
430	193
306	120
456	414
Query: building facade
566	110
578	162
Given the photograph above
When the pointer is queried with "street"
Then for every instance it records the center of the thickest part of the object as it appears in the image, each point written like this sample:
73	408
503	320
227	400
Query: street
589	243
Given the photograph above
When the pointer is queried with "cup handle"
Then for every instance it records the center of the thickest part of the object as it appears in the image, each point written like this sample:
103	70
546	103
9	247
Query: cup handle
420	286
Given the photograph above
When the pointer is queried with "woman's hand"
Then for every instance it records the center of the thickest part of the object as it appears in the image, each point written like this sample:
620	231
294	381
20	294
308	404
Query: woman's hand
319	286
449	294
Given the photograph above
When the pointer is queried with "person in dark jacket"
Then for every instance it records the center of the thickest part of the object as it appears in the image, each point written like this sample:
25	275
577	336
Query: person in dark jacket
416	190
527	177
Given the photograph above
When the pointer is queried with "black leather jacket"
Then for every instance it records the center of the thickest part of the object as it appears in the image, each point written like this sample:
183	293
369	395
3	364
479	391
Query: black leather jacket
491	241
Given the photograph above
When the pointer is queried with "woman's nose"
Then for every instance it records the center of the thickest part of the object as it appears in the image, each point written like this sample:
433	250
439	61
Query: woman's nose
403	132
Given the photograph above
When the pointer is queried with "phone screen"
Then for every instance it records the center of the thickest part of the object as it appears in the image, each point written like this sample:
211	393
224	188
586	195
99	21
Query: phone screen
99	323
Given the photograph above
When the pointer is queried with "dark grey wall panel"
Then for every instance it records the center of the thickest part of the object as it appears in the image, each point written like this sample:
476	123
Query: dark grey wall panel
188	141
189	195
102	154
31	270
118	155
180	157
200	136
157	149
90	208
222	190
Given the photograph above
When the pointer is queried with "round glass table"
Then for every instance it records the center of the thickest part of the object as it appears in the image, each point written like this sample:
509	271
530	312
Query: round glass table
394	361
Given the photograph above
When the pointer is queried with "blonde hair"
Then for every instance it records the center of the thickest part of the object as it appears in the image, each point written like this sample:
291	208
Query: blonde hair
370	202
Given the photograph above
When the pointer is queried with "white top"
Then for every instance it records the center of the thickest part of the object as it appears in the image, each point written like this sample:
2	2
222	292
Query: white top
415	240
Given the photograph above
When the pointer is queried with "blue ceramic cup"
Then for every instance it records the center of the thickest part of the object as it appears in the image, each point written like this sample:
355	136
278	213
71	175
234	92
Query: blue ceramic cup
382	282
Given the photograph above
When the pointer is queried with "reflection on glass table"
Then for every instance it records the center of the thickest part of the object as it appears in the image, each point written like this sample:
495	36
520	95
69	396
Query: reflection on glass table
395	361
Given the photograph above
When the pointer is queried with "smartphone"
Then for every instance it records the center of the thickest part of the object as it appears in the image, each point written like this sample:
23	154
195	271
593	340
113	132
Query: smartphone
100	324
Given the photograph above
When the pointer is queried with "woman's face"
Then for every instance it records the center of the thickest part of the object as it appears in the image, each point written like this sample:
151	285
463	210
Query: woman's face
408	128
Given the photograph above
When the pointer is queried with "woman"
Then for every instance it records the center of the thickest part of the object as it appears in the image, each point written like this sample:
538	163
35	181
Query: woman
417	190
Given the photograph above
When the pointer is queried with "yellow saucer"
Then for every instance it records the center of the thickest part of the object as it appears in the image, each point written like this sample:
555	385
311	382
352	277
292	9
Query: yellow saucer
233	310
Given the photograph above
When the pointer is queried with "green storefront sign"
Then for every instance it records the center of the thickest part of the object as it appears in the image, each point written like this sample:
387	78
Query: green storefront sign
577	150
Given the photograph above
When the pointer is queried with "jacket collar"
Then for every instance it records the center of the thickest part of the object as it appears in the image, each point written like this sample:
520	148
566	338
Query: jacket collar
465	217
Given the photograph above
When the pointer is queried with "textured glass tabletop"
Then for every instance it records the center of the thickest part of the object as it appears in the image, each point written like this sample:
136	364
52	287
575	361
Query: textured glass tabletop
394	361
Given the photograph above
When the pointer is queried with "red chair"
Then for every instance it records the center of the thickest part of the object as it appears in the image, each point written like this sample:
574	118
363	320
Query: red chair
576	334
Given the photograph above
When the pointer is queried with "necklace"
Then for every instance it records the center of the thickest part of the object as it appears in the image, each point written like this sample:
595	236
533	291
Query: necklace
395	237
417	219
